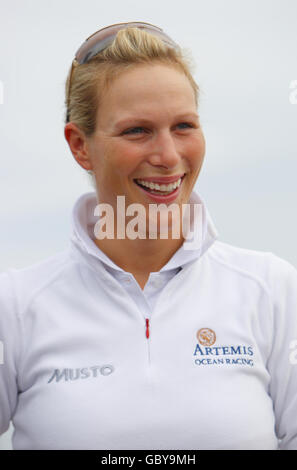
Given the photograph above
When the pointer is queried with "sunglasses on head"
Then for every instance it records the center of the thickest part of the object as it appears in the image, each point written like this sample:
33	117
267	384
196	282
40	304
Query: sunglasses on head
101	39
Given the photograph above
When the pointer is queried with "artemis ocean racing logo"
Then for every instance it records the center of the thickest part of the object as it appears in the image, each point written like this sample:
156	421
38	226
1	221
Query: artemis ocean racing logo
207	354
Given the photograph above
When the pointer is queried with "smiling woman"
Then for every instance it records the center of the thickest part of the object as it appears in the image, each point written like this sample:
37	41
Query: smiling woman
127	342
146	143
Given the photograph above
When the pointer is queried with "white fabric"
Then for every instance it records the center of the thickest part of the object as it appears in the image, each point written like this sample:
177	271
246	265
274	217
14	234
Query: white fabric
80	373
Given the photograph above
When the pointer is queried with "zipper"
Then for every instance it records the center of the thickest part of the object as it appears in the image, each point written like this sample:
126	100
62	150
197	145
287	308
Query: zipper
147	331
147	334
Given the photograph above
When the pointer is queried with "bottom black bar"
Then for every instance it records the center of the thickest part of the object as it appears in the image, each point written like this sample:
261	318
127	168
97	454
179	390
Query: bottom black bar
135	458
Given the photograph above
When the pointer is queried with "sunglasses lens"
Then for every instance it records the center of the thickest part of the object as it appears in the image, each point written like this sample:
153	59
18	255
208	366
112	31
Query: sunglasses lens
98	41
85	56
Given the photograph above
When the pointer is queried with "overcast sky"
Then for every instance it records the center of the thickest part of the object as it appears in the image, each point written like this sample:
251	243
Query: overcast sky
246	58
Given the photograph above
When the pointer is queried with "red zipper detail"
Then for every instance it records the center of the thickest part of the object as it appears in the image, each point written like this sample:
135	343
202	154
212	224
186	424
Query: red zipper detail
147	327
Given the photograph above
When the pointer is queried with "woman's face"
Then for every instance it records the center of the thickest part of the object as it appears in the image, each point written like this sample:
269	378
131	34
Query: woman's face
147	127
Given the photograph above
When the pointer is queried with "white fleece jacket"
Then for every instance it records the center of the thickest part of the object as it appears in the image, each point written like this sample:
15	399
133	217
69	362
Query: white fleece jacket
203	358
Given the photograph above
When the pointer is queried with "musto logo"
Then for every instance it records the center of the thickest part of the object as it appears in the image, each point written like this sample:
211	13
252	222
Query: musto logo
80	373
207	354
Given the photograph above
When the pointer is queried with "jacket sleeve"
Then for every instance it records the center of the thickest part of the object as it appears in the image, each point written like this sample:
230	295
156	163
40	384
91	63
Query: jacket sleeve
282	362
9	351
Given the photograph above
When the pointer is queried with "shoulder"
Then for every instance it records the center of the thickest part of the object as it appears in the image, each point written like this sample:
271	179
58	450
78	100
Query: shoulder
264	266
19	286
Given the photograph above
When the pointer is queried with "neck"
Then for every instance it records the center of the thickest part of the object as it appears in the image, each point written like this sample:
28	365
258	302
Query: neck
139	257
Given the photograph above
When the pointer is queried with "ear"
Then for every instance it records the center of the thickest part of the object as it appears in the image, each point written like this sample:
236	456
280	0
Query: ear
78	145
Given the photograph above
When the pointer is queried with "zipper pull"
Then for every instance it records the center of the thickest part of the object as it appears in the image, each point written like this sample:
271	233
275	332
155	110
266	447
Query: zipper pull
147	327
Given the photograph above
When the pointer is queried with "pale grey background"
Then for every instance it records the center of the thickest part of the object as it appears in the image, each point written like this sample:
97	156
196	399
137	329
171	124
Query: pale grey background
245	55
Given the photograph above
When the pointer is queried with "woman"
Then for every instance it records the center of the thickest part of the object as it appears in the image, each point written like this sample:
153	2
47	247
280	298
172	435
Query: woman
123	342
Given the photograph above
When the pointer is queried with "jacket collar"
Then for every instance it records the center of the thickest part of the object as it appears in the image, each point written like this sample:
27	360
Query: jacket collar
82	239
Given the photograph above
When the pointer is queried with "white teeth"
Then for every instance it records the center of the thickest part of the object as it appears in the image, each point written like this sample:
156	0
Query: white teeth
163	187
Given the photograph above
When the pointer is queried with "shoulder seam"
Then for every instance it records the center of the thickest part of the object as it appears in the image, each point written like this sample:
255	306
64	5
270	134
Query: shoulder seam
21	314
265	288
47	282
235	268
15	313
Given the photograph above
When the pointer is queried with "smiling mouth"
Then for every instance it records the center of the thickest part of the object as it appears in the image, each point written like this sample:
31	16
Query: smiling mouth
159	188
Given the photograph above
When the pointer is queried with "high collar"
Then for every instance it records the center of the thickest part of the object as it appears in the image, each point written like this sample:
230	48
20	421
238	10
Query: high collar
82	239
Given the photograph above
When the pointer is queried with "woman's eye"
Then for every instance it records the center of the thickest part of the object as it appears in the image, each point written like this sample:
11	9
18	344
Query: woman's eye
186	124
139	130
133	130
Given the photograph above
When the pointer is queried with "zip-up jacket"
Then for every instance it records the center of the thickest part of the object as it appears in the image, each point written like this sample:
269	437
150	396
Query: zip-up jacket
204	357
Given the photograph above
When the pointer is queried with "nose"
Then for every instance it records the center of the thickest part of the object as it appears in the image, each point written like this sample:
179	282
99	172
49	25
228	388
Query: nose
165	151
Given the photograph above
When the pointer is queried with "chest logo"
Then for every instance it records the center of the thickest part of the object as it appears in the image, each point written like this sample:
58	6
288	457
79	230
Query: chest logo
80	373
206	336
206	353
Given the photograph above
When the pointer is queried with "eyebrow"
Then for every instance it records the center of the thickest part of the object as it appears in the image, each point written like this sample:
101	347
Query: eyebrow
140	120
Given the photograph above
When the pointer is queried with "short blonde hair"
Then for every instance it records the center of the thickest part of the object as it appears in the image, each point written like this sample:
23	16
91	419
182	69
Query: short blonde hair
130	47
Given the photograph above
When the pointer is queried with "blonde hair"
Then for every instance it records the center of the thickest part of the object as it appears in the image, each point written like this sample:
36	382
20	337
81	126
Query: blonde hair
91	80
